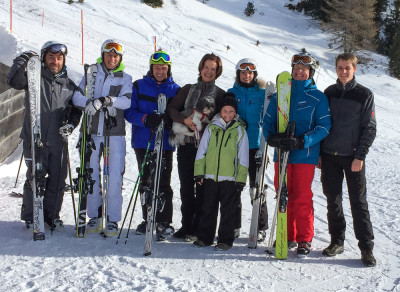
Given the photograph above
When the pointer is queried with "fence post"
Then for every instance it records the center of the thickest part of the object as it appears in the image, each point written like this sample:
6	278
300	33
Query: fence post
155	43
10	16
82	32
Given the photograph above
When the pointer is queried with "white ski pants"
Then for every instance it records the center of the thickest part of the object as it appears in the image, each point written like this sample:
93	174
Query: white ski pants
116	170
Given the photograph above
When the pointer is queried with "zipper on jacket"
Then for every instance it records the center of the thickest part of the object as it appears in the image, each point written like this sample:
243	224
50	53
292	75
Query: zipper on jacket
219	156
226	142
216	139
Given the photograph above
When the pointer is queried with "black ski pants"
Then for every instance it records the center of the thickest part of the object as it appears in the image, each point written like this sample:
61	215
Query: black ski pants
216	193
54	163
164	215
191	195
263	216
333	169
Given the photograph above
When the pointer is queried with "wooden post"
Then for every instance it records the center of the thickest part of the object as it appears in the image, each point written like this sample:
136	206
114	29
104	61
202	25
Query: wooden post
82	32
155	43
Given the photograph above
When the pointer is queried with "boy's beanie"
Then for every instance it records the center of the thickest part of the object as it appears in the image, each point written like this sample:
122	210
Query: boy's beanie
229	99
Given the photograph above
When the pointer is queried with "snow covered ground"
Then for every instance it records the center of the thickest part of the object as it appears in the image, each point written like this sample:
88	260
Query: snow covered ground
188	29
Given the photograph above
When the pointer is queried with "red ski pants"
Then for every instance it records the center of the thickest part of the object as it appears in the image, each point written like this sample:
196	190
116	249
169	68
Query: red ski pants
300	210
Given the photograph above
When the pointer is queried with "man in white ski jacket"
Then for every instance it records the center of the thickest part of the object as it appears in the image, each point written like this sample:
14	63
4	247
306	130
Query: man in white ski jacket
113	90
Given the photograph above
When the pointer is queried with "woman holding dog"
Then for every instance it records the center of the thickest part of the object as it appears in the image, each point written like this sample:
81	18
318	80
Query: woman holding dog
180	111
250	94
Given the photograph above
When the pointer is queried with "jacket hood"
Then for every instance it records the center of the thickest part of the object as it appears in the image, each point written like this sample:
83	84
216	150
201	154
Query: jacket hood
120	67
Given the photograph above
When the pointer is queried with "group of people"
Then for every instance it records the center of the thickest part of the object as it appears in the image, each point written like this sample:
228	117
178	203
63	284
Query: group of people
334	131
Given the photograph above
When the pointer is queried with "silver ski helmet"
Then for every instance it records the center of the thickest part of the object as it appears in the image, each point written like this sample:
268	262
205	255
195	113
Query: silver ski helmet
305	59
54	47
246	64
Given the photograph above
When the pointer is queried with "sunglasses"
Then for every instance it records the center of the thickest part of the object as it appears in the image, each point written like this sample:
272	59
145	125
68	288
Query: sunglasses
55	48
113	46
157	56
247	66
305	60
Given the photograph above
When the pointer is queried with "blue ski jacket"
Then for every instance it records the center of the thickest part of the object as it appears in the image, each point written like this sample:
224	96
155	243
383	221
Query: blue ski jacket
309	108
144	101
250	107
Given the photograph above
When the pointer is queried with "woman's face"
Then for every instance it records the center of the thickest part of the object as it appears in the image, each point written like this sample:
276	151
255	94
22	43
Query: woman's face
246	76
209	72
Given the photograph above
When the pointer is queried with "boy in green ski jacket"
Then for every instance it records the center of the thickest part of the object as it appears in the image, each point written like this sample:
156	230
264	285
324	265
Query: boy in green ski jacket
221	165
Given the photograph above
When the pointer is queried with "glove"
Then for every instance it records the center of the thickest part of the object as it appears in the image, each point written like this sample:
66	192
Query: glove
90	108
167	122
239	186
105	101
274	140
153	120
66	130
291	143
27	55
112	111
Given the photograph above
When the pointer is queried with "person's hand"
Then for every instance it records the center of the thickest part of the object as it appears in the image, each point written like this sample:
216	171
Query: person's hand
90	108
153	120
112	111
66	130
105	101
27	55
199	179
239	186
189	122
291	143
357	165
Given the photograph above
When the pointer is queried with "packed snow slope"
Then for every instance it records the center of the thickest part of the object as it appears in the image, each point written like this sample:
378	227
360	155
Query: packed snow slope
187	29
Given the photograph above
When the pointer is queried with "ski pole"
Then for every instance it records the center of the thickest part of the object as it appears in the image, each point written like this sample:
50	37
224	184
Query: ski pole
19	168
70	183
138	181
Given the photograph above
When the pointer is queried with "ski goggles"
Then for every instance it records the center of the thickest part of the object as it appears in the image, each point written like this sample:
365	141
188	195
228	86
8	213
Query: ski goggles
247	66
113	46
303	59
158	56
55	48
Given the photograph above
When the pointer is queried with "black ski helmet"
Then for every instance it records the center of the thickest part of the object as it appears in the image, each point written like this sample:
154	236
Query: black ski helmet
54	47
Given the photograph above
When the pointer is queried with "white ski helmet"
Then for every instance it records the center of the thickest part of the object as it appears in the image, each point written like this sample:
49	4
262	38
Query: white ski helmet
112	44
54	47
242	62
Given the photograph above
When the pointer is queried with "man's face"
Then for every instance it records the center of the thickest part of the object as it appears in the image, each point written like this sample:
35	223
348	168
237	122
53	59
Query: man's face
54	62
111	59
345	71
160	72
301	72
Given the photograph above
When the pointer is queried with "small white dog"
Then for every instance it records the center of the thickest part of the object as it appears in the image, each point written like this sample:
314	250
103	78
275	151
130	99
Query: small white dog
199	116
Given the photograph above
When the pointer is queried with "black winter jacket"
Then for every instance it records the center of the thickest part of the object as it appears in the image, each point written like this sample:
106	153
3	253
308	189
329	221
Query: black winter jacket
353	120
56	95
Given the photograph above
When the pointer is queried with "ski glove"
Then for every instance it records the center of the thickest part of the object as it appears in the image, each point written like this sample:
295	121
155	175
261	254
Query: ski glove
284	142
66	130
239	186
112	111
27	55
91	109
153	120
105	101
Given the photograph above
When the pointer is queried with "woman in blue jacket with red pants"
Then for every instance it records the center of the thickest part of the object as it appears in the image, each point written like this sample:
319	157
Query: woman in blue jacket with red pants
310	111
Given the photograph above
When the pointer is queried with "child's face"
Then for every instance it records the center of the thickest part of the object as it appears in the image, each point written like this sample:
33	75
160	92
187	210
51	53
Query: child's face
228	113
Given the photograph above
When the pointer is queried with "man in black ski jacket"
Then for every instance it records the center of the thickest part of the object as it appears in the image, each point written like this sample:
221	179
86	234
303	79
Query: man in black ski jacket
57	120
343	152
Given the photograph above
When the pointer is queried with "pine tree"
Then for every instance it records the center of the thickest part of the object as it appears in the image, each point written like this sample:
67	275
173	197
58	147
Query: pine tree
249	10
392	22
394	55
153	3
352	24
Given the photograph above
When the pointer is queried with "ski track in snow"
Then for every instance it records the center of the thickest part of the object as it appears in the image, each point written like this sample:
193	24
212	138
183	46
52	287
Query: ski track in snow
187	30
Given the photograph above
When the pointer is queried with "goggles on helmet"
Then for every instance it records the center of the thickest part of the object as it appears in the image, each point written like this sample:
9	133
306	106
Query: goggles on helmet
247	66
303	59
158	56
108	47
55	48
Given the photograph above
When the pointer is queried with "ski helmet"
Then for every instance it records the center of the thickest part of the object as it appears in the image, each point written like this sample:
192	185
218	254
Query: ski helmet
246	64
306	59
54	47
160	58
112	44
